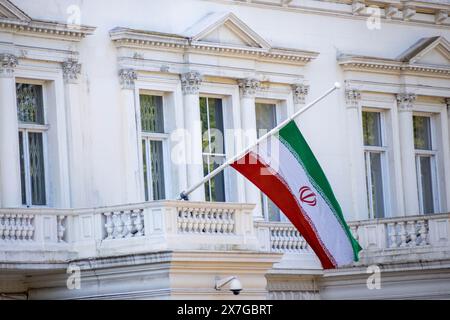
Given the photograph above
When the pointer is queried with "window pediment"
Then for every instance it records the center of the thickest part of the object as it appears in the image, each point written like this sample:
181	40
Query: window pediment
227	29
12	19
220	34
427	56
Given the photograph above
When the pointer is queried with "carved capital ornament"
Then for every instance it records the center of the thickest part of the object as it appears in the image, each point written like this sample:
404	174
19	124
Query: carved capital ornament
190	82
7	64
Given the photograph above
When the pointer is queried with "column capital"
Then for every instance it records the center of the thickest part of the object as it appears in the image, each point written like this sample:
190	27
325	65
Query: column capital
352	97
71	70
405	101
7	64
248	87
447	102
127	78
300	92
190	82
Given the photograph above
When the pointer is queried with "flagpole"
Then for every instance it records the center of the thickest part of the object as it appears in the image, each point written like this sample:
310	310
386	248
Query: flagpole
184	194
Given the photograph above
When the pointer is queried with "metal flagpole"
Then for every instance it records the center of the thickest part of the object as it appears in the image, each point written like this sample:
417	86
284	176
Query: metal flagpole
184	194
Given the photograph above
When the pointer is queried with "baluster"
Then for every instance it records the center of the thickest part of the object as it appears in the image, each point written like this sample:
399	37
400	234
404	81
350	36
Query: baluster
412	233
184	214
2	226
423	232
138	224
61	228
118	224
201	223
18	234
354	230
30	228
392	230
24	232
402	233
213	221
219	221
231	227
12	232
128	226
109	226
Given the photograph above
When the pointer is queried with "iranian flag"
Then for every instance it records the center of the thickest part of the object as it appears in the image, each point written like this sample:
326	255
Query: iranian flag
285	169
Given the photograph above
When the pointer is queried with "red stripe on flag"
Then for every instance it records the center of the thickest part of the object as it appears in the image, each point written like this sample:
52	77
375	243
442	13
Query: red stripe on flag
251	167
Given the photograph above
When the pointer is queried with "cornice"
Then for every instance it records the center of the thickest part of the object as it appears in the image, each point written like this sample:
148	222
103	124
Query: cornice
46	29
391	10
371	64
123	37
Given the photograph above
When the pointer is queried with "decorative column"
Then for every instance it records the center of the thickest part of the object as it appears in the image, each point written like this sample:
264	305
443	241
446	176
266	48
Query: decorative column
300	91
248	88
10	185
190	85
356	143
131	145
405	102
76	157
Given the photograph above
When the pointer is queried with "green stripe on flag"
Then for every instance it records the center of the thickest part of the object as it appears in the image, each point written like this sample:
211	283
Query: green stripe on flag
292	138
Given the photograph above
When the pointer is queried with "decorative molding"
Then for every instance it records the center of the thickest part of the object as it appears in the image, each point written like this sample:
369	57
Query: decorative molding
190	82
391	11
358	6
405	101
348	9
440	16
129	38
300	91
352	97
407	63
248	87
71	70
408	13
7	64
127	77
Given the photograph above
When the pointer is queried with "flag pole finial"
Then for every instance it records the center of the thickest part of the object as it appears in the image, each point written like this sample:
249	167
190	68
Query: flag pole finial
337	85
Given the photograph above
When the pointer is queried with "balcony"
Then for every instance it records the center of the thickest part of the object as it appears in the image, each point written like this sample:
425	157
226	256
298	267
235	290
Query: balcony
31	235
44	235
389	240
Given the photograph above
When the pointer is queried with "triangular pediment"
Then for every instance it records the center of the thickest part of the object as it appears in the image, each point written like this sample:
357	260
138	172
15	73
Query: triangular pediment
225	29
428	51
9	11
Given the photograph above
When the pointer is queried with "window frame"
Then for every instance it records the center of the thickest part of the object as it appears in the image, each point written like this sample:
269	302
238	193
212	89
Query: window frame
383	150
144	136
226	178
25	129
433	154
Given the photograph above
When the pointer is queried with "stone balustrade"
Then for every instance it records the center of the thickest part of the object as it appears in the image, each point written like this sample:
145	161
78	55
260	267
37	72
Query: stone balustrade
280	237
383	240
29	233
179	225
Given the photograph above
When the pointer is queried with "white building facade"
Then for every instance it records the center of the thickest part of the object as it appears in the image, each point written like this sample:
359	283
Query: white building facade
109	109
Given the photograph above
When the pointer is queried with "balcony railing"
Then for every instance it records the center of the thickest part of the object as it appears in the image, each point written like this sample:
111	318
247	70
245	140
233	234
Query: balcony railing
382	240
45	234
29	234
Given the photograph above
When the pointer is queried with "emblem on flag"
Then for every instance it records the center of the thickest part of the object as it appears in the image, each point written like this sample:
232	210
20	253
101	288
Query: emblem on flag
307	196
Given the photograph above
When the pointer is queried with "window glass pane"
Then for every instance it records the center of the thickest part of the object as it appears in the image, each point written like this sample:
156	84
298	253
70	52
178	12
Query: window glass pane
156	151
211	116
29	103
22	169
214	188
37	174
265	121
265	118
377	185
145	169
422	133
427	184
372	128
152	118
